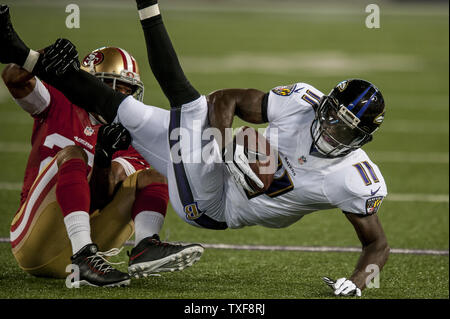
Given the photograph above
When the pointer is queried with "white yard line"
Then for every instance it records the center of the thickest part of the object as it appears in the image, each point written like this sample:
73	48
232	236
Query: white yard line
409	157
320	63
14	147
304	248
10	186
376	156
321	249
303	8
395	197
428	198
416	126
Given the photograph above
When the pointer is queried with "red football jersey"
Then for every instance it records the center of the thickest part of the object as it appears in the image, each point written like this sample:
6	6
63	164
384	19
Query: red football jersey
62	124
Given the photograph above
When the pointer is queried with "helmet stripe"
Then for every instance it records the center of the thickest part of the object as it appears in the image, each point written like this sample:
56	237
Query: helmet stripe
129	61
124	59
134	64
356	101
364	108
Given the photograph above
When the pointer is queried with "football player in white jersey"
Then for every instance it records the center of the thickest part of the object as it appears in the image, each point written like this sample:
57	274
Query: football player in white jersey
321	165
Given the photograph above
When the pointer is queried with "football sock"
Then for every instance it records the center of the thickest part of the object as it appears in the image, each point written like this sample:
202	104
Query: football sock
162	56
78	229
72	187
72	194
146	224
149	210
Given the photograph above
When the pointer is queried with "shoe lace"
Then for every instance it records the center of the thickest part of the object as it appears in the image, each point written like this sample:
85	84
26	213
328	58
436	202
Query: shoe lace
159	243
99	262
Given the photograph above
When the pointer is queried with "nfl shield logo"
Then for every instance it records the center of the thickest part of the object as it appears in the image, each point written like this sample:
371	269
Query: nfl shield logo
88	131
302	160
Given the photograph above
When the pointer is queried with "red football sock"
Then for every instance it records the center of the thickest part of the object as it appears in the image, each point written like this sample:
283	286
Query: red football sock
72	188
153	197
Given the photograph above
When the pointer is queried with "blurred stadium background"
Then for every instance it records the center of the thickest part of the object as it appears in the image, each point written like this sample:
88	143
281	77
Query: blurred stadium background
263	44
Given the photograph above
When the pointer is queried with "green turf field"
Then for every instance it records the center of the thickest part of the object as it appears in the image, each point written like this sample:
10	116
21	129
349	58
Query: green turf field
263	45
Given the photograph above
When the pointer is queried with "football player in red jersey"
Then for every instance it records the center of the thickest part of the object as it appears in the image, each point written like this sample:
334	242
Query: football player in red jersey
64	214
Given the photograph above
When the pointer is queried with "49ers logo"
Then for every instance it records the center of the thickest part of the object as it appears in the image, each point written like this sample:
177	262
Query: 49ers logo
94	58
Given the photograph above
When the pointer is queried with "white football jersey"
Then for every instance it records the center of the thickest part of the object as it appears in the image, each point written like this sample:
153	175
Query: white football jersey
304	182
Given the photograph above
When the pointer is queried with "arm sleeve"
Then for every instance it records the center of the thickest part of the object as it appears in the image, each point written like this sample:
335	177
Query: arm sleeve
37	101
162	57
264	105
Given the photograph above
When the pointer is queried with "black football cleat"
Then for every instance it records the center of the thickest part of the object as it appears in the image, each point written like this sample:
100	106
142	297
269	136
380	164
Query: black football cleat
13	50
151	255
95	270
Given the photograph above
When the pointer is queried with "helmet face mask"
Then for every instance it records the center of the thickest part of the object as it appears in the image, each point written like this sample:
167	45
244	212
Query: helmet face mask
113	66
336	129
135	88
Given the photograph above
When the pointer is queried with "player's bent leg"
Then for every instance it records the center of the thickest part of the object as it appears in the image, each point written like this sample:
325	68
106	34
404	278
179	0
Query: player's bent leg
73	196
112	226
38	236
40	242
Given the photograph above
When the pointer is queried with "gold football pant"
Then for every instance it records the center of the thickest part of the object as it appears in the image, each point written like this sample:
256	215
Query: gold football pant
39	238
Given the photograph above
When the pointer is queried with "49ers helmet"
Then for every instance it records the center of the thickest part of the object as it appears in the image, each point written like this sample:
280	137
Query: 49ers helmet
347	117
115	64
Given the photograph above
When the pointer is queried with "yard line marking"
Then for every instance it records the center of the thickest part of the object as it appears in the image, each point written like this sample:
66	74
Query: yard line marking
321	249
395	197
289	7
320	63
410	157
14	147
303	248
416	126
378	156
10	186
429	198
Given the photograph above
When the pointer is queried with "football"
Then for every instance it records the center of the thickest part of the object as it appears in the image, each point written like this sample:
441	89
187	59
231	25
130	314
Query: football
261	156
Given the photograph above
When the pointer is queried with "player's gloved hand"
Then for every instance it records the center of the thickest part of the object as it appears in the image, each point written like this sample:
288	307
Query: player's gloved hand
343	287
110	139
239	167
60	57
12	48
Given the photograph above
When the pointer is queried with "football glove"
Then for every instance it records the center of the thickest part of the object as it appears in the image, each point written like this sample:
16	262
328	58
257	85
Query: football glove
60	57
239	167
110	139
343	287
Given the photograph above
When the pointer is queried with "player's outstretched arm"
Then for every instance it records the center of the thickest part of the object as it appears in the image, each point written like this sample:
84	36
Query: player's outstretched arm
375	252
375	248
162	56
